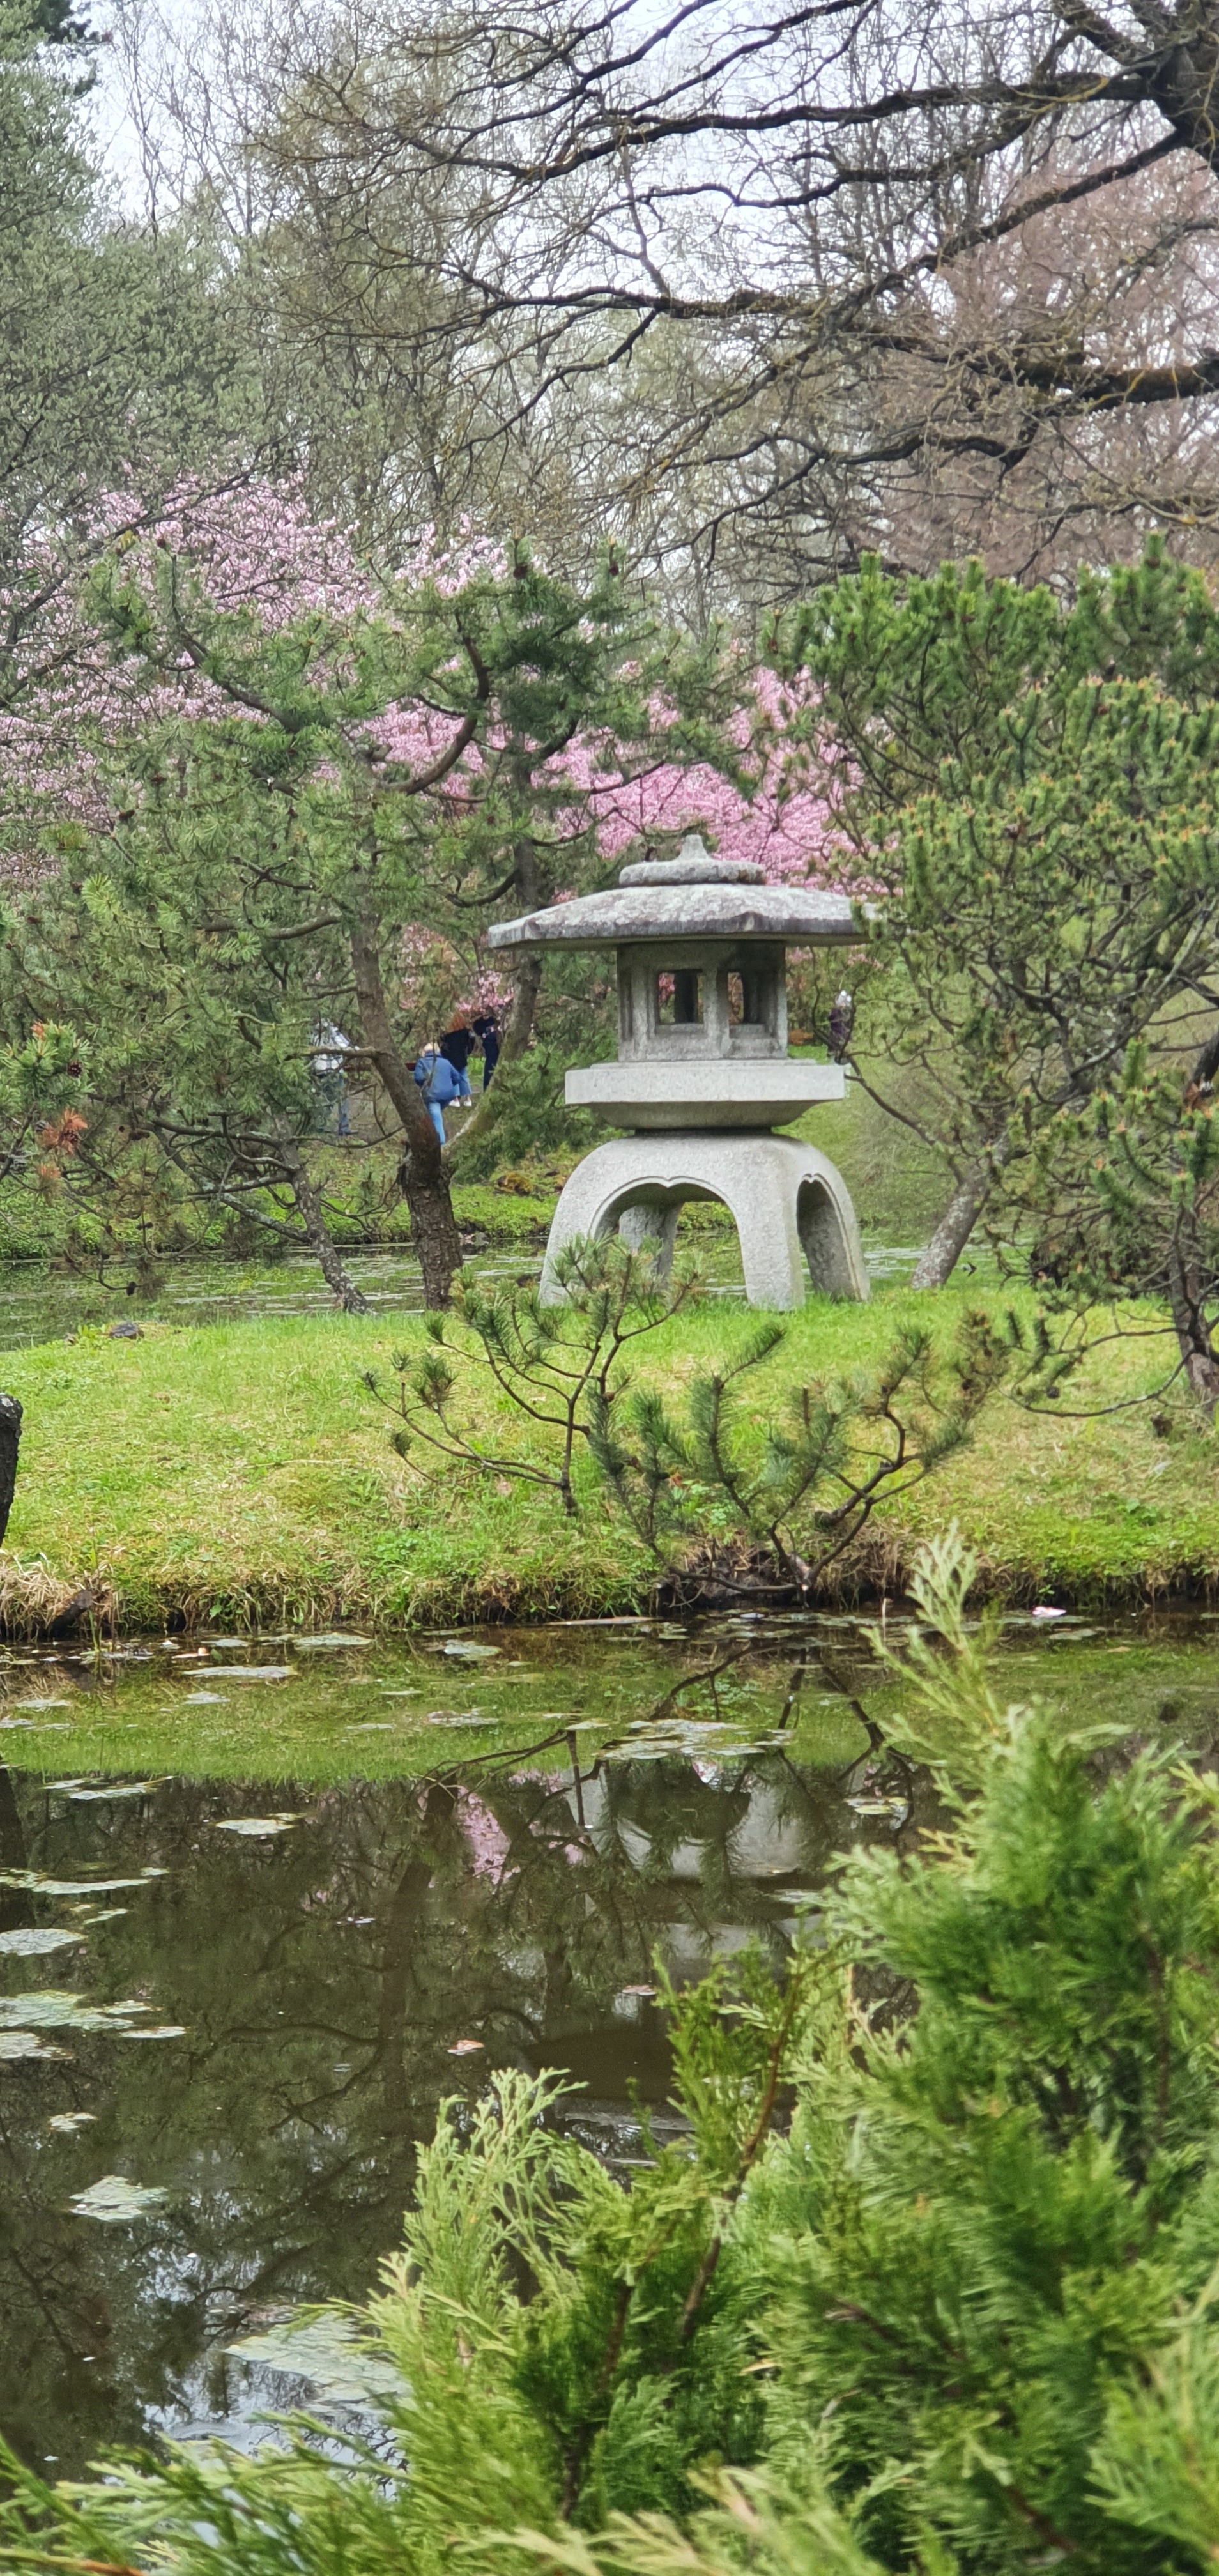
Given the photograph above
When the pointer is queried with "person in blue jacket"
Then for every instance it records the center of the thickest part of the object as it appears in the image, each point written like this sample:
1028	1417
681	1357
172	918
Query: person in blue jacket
440	1084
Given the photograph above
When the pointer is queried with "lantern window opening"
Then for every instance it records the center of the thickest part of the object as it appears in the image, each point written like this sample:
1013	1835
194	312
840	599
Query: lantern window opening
746	1001
679	998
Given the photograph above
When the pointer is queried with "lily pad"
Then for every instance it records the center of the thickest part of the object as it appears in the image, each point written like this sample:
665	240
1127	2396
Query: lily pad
37	1885
257	1672
30	1942
159	2030
254	1825
116	2201
343	2368
55	2009
334	1637
466	1652
25	2044
114	1789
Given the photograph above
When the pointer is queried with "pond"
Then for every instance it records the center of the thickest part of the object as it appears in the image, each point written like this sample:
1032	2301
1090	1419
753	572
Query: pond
39	1303
263	1904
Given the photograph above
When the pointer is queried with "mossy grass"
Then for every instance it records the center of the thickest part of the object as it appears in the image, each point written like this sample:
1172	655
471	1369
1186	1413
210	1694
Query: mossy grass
241	1471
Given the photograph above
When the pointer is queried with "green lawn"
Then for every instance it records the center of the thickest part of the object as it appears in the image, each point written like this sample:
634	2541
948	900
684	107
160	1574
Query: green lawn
242	1471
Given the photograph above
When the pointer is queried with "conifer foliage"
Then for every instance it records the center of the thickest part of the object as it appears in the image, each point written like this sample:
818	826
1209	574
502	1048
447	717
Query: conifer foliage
925	2279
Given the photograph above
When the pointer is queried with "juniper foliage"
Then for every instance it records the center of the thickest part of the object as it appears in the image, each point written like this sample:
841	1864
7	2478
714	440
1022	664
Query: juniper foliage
926	2289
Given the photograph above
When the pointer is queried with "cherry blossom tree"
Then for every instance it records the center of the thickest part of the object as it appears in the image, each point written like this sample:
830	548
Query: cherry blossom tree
360	753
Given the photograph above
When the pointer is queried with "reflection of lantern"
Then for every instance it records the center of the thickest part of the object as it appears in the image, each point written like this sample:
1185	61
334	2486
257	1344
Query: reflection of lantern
703	1075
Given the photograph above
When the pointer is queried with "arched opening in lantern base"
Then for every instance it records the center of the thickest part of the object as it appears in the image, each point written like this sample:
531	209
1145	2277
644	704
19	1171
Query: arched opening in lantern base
790	1206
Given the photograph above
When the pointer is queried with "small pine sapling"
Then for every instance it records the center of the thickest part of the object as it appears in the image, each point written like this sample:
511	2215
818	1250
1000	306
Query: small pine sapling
795	1498
562	1367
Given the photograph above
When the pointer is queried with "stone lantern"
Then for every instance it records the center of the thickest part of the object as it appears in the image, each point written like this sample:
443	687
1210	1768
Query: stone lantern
703	1076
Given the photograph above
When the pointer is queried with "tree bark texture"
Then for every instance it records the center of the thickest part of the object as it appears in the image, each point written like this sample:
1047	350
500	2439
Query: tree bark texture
940	1257
1188	1307
425	1181
321	1241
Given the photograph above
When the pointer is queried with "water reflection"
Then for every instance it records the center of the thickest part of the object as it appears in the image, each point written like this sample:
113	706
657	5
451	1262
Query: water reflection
331	1982
363	1946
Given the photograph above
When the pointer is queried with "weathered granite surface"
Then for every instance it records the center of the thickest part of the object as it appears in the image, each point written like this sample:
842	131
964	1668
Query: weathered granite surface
710	1092
800	916
792	1209
693	865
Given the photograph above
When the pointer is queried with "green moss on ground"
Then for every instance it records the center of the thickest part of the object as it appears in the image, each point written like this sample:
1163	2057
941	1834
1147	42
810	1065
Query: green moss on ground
241	1471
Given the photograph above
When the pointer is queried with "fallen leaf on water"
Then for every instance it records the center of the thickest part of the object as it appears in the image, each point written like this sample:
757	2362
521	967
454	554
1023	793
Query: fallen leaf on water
466	1653
115	2200
68	2122
160	2030
466	2047
203	1699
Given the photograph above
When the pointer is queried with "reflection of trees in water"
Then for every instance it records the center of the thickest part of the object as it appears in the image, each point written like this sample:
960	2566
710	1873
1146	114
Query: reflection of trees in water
323	1979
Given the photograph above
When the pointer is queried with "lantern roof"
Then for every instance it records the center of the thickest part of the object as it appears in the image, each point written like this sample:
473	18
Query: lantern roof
692	896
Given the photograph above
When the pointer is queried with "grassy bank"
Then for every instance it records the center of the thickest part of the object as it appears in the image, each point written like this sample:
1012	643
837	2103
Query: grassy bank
242	1472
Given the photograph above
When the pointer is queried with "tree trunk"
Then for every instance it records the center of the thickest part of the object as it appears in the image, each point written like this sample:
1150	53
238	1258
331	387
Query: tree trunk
1193	1332
321	1241
938	1261
10	1438
425	1181
529	890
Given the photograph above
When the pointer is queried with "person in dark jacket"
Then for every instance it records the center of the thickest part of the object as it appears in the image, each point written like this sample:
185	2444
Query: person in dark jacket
486	1028
457	1047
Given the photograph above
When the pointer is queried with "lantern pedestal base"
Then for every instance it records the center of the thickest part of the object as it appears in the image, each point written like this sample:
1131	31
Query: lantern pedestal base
791	1208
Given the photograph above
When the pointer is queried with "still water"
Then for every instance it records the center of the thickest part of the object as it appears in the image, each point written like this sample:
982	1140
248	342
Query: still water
40	1304
263	1904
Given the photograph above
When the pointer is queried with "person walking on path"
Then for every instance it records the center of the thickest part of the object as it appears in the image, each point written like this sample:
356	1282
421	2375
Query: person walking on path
440	1085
